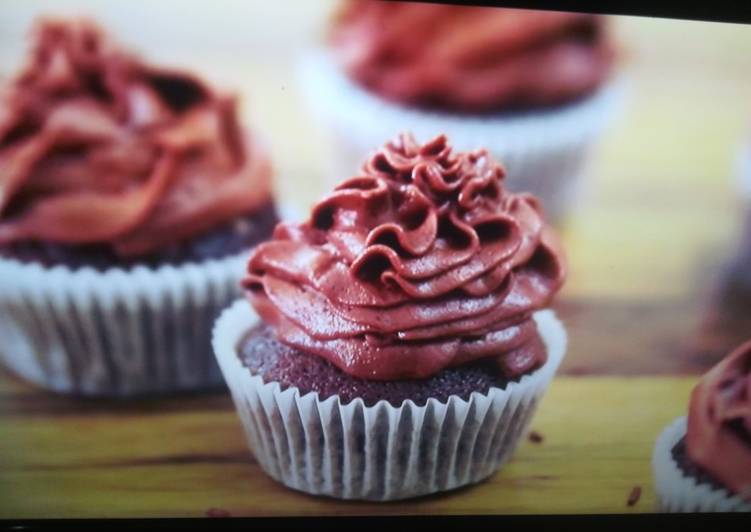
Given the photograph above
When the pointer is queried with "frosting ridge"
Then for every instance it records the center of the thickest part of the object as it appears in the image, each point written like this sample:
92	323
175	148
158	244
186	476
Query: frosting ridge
421	262
98	147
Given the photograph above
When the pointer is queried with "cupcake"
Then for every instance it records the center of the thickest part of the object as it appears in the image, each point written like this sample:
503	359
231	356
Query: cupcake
702	463
129	197
534	87
397	342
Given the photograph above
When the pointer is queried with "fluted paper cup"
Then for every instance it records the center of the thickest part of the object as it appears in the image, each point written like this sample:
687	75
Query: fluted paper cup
379	452
544	152
118	332
678	492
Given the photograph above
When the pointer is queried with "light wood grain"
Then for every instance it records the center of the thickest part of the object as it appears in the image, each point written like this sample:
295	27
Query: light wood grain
182	456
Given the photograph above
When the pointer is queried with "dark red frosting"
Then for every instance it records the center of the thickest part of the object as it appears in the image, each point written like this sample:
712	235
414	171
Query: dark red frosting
719	422
422	262
471	59
97	147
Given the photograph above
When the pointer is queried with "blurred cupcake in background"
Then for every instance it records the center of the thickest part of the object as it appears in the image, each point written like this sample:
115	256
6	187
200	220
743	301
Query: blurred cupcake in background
398	341
129	197
703	463
534	87
726	319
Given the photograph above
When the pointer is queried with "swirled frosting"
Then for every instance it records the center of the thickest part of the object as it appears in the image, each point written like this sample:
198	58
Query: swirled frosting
422	262
470	59
719	422
97	147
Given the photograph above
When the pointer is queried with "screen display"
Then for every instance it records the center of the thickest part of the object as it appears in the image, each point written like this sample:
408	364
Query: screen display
360	257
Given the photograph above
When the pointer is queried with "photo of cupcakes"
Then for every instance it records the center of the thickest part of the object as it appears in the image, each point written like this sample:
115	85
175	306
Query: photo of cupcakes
536	88
702	462
129	198
397	342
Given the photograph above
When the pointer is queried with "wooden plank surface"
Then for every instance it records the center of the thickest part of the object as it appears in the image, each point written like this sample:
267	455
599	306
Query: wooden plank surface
183	456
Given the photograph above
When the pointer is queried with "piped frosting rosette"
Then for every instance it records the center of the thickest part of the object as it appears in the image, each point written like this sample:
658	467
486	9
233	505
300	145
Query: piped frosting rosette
421	262
471	58
97	147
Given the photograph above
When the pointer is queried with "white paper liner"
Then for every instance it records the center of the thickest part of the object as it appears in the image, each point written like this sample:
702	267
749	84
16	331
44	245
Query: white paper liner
379	452
543	152
677	492
119	332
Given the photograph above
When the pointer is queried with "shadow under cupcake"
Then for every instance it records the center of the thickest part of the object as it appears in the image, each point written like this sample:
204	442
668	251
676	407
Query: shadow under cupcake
396	344
130	198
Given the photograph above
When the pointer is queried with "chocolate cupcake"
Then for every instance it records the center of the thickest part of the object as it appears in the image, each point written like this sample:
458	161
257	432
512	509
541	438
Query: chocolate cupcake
534	87
130	196
397	343
703	463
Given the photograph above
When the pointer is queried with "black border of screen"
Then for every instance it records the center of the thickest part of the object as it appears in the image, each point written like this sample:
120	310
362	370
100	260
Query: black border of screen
732	12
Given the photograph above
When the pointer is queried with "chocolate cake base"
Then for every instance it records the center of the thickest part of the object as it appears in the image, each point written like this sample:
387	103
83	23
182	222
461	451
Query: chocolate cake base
264	355
223	241
691	469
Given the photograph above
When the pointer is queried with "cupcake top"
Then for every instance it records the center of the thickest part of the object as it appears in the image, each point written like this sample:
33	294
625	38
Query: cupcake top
719	422
98	147
470	59
422	262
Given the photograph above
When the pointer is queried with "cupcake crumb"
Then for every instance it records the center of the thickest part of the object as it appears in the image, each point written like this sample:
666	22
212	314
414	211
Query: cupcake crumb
634	496
217	512
535	437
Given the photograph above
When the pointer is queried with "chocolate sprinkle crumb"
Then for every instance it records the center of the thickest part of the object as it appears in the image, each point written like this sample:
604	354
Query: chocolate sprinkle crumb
217	512
634	496
535	437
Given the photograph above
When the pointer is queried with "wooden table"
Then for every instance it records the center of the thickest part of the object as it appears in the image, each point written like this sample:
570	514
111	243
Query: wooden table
186	456
644	307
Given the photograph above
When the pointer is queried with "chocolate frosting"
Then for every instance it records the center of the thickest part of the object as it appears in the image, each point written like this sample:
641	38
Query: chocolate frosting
97	147
719	422
423	261
471	59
